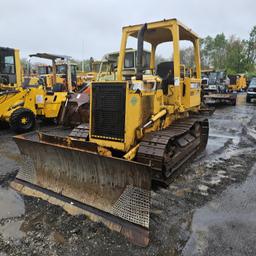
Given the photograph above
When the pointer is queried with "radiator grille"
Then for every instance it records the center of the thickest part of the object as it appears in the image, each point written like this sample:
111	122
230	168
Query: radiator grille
108	111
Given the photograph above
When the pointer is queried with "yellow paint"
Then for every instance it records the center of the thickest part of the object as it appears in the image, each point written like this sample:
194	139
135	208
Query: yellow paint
35	99
24	120
47	106
132	153
239	85
18	73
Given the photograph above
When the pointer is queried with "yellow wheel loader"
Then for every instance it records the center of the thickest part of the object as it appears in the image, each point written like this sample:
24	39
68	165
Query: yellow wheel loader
21	108
140	130
21	104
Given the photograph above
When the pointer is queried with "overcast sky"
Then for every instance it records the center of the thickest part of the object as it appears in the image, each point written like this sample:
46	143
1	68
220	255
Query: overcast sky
82	28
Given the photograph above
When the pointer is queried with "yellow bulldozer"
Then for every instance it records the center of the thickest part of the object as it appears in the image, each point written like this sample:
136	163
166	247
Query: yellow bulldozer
140	130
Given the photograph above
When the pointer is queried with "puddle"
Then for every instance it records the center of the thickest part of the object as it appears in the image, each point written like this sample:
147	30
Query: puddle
227	224
11	204
12	230
251	133
214	144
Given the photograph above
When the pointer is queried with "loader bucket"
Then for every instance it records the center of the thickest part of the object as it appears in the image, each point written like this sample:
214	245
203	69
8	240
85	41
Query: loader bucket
109	189
76	110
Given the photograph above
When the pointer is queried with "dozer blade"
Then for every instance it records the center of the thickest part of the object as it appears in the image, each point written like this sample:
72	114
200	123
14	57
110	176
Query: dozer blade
71	173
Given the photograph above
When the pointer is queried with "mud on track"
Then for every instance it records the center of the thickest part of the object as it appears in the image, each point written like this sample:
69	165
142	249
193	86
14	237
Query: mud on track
186	218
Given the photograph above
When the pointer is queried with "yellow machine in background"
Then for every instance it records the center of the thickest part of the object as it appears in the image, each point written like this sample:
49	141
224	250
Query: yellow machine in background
63	77
141	128
10	69
129	65
215	89
62	73
94	70
43	76
106	68
43	69
20	109
77	107
66	73
237	82
21	105
98	68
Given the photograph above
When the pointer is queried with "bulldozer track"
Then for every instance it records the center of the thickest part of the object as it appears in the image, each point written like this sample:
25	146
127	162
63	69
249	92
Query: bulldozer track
155	147
167	150
80	132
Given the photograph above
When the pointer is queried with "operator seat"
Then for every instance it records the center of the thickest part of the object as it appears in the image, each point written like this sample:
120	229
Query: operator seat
232	79
166	71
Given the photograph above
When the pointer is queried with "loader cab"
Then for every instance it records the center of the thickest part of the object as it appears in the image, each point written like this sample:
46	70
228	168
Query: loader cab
129	65
41	76
64	70
45	74
44	70
10	69
106	70
131	57
96	66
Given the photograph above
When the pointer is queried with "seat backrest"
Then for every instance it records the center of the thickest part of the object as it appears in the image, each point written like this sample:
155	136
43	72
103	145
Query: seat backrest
232	79
164	69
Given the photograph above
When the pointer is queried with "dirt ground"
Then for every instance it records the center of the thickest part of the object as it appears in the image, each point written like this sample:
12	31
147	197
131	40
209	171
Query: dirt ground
208	210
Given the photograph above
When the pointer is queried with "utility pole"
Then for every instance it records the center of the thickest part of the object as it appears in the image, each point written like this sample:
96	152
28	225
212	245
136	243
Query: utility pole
83	55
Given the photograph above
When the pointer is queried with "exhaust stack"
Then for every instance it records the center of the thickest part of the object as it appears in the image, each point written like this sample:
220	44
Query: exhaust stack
139	67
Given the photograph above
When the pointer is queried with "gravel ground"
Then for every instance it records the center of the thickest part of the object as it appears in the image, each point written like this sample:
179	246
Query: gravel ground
208	210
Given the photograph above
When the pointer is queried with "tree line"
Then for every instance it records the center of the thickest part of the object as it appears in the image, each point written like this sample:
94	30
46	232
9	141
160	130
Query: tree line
232	54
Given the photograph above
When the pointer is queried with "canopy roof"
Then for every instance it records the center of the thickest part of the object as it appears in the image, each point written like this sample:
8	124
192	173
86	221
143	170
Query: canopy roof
49	56
159	31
